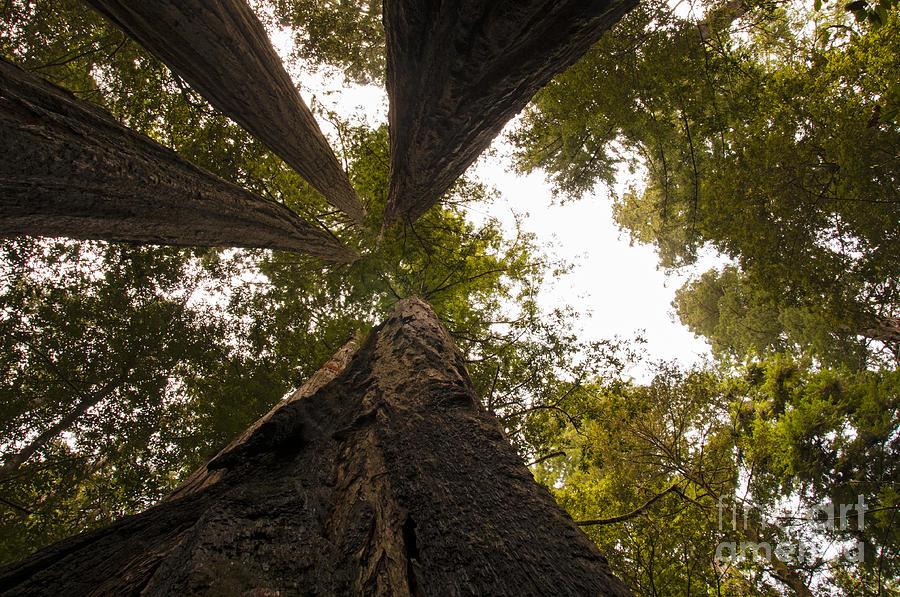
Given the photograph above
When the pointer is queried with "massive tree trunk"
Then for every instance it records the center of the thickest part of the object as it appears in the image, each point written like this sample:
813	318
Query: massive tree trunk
68	168
458	71
221	48
389	479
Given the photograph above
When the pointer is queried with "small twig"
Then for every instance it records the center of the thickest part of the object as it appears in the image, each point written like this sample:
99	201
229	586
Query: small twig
630	515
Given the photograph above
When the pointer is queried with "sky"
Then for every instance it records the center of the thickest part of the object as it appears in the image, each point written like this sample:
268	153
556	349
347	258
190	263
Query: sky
615	285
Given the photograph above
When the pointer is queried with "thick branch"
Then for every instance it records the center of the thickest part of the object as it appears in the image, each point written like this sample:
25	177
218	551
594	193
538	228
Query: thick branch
68	168
887	331
547	457
221	48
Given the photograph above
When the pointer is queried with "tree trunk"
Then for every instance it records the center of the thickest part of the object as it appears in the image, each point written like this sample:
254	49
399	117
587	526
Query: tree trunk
68	168
458	71
222	50
388	480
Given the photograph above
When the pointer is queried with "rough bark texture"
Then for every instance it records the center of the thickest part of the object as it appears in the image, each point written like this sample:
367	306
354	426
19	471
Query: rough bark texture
388	480
458	70
213	472
68	168
222	50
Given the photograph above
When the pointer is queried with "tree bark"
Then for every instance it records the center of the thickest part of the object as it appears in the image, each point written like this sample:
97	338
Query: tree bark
458	71
222	50
68	168
390	479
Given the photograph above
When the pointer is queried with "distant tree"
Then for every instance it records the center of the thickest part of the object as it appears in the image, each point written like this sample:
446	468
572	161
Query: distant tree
739	319
93	336
777	148
699	453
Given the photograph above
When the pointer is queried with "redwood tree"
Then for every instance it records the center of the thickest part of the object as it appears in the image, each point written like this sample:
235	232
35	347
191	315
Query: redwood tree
458	71
221	48
389	479
67	168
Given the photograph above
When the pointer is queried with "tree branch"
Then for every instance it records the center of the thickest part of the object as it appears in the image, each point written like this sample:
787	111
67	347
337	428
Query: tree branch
622	518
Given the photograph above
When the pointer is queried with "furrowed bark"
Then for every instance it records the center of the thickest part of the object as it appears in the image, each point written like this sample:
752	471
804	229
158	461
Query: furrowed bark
68	168
212	472
388	480
222	50
458	71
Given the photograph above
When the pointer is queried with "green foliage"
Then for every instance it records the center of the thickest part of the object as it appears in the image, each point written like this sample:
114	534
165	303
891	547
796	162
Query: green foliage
661	469
739	318
831	437
638	443
875	14
345	34
777	148
92	336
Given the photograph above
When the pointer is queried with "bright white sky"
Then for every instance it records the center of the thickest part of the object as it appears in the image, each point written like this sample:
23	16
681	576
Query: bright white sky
617	286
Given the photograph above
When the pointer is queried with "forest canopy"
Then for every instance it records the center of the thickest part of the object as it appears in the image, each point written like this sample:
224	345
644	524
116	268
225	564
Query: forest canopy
766	132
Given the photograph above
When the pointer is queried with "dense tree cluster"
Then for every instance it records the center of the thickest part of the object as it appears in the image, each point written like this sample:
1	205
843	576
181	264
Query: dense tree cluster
768	132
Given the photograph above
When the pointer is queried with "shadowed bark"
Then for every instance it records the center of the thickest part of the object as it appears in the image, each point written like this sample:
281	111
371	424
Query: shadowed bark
67	168
390	479
222	50
458	70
